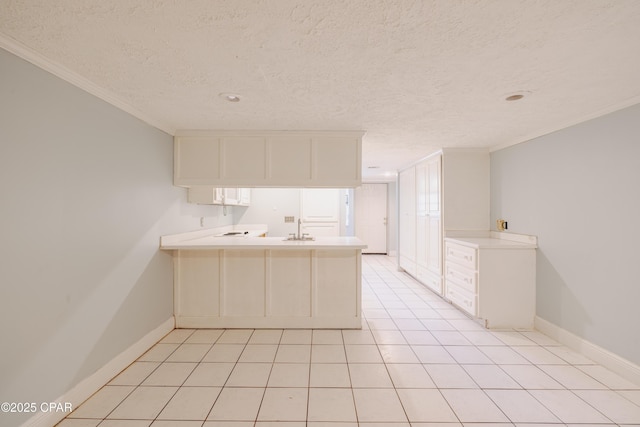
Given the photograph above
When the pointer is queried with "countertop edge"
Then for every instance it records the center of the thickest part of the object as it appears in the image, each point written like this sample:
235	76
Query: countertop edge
336	243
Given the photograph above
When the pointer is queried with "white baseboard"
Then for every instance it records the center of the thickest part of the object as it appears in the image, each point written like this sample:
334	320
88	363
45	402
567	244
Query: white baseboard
609	360
87	387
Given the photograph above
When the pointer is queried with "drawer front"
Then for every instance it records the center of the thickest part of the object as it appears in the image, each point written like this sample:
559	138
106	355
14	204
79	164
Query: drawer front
462	299
430	280
465	278
463	255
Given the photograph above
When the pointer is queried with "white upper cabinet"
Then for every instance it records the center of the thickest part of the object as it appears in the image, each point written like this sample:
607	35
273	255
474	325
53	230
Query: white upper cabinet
268	159
219	196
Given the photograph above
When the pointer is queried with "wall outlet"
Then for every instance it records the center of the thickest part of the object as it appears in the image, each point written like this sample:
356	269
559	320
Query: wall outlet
289	219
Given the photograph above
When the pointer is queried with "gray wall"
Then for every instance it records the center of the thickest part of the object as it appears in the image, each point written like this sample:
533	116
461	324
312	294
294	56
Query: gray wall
86	191
578	190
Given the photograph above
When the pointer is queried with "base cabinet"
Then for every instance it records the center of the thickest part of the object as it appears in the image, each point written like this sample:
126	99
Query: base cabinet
268	288
492	281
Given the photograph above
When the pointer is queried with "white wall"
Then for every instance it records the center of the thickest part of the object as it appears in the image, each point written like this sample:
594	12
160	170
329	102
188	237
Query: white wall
578	190
86	191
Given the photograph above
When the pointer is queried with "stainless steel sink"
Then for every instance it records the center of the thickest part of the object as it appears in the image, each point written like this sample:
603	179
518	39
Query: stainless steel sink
299	239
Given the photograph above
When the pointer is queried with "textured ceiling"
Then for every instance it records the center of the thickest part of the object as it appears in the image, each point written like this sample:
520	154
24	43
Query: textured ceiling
415	75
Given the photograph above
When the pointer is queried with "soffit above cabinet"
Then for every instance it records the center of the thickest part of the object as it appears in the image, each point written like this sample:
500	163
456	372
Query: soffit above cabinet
268	158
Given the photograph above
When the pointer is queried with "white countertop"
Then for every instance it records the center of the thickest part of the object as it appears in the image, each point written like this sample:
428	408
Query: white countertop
212	239
494	242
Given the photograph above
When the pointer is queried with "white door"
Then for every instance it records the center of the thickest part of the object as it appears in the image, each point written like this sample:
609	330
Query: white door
371	217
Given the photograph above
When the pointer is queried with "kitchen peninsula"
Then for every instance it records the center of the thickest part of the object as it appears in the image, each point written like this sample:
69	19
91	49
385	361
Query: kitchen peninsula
231	278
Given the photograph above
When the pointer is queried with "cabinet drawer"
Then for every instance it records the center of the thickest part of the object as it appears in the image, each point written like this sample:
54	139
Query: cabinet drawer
465	278
463	255
462	299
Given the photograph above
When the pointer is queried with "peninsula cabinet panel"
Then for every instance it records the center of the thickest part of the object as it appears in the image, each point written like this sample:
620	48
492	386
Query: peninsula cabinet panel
337	271
243	278
197	279
289	285
266	282
268	159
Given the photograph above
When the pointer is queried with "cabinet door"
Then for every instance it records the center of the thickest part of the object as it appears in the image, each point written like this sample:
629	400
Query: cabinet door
204	195
434	226
337	159
243	159
434	245
231	196
422	189
289	160
196	160
407	219
434	177
245	196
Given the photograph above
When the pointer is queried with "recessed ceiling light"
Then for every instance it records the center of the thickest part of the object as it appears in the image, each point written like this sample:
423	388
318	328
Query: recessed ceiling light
373	167
231	97
515	96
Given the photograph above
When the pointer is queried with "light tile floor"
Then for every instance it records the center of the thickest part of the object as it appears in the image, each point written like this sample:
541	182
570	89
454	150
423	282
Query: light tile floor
417	362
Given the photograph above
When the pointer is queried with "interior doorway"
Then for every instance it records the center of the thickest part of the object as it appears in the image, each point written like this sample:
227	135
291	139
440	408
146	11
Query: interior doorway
371	217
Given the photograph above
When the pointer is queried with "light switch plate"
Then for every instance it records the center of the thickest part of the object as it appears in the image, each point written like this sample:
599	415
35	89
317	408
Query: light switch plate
288	219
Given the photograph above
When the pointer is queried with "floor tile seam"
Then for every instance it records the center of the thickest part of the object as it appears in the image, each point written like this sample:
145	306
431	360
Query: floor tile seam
122	371
159	412
521	422
575	395
353	397
160	341
264	392
519	383
222	387
120	403
596	379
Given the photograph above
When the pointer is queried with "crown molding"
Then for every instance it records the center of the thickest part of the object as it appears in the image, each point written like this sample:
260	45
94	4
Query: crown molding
629	102
40	61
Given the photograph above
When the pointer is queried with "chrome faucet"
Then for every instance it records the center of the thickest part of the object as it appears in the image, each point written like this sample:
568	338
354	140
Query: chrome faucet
303	236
